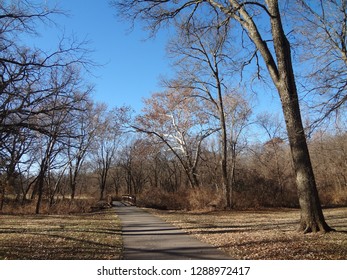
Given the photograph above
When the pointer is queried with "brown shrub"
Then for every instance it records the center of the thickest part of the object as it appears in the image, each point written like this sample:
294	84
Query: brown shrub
160	199
332	197
187	199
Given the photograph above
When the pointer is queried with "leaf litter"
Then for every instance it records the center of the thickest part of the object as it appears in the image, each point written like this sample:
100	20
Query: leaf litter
84	236
269	234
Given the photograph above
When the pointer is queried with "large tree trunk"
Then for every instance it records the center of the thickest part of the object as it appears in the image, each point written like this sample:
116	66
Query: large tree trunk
312	218
281	71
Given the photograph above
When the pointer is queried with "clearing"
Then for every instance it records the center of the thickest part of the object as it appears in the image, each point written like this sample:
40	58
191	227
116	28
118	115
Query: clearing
260	234
264	234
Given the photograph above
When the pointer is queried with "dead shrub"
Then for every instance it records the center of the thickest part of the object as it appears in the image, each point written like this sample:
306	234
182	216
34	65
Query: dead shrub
100	205
205	199
331	197
188	199
160	199
75	206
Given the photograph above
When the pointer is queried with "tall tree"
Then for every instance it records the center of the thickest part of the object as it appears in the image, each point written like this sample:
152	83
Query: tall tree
78	146
251	16
107	141
204	62
39	90
273	151
59	122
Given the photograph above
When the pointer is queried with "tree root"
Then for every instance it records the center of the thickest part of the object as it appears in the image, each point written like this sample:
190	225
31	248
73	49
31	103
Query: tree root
315	228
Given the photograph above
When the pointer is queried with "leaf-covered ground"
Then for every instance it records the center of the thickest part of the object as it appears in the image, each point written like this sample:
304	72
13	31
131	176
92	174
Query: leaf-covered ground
89	236
266	234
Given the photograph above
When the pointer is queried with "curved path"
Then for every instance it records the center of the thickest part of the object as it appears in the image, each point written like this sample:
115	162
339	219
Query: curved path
147	237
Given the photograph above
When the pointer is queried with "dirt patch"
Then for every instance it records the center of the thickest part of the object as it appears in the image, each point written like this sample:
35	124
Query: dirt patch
55	237
267	234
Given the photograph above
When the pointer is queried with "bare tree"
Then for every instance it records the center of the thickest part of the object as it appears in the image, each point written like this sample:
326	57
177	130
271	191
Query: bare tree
60	123
251	17
25	71
107	141
273	152
135	161
39	90
180	123
204	62
13	150
329	153
237	114
78	146
324	39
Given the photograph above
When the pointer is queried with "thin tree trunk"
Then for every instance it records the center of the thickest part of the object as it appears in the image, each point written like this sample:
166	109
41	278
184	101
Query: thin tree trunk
224	143
103	184
232	171
40	184
2	196
193	179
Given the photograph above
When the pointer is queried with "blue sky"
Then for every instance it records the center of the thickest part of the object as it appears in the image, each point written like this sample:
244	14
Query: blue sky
132	62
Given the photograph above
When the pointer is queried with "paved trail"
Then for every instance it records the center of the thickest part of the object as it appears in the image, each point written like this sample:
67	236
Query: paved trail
147	237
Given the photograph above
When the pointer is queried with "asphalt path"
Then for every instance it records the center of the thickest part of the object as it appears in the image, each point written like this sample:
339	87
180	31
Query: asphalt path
147	237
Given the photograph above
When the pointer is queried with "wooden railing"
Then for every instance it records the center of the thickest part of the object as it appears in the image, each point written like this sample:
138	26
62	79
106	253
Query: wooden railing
129	199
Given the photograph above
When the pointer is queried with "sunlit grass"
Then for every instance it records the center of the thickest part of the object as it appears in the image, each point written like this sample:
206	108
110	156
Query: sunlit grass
266	234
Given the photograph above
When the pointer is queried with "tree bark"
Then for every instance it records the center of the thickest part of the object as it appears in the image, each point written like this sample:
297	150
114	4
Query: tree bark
312	218
224	143
281	71
2	196
40	185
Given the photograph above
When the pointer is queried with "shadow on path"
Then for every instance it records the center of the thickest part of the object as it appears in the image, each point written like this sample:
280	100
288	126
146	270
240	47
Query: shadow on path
147	237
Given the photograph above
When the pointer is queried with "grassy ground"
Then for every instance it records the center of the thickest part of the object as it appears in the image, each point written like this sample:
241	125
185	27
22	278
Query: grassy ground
266	234
90	236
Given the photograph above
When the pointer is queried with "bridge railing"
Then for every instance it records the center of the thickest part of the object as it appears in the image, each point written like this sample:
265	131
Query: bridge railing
129	199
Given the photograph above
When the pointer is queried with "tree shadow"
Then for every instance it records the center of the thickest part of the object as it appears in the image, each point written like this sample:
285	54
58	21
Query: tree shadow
60	237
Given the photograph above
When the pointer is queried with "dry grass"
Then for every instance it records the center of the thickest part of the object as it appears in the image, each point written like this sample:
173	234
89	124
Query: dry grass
265	234
83	236
60	207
